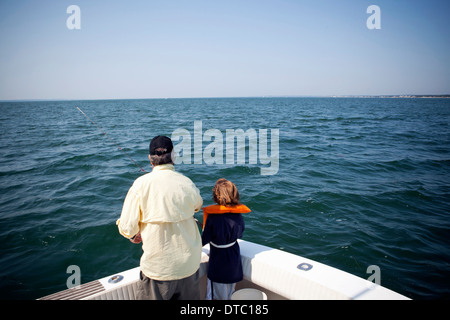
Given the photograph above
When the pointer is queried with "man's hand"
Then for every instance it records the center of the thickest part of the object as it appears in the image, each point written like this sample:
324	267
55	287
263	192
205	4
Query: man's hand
137	238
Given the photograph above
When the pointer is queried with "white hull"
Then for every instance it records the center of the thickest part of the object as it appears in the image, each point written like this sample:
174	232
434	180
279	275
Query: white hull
275	272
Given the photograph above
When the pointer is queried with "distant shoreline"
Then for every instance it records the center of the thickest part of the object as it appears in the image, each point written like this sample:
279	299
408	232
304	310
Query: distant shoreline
414	96
395	96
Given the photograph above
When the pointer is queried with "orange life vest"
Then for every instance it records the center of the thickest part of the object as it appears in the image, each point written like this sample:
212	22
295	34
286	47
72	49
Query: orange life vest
219	209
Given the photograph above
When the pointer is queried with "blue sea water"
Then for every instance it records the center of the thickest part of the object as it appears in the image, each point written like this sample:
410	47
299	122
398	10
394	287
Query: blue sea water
361	182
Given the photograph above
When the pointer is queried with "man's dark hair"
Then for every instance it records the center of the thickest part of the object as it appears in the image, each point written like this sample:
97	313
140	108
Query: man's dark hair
161	150
161	159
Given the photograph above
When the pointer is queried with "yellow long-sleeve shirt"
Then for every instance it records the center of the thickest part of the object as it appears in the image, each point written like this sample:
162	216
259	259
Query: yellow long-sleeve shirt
161	206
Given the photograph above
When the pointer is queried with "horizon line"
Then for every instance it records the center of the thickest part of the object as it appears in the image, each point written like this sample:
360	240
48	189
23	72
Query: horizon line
246	97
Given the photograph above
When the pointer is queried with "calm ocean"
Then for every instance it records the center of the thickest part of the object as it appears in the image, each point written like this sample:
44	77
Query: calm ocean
361	182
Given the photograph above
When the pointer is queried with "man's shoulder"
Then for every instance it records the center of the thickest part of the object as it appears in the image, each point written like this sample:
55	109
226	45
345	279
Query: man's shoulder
142	178
176	175
163	175
181	176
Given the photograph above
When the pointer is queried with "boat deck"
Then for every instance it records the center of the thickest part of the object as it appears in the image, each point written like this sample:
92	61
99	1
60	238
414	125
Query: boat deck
279	274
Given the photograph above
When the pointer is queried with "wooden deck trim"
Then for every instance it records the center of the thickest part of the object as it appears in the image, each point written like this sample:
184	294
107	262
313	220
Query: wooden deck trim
77	293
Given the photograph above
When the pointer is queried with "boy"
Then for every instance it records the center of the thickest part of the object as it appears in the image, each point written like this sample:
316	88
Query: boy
222	226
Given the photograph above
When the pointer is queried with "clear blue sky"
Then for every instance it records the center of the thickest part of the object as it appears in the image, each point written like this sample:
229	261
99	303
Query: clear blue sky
152	49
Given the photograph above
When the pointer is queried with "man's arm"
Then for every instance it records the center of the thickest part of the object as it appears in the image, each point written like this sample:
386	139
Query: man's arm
199	203
128	223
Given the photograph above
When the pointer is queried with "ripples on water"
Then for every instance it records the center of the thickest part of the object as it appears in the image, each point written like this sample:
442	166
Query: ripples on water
361	182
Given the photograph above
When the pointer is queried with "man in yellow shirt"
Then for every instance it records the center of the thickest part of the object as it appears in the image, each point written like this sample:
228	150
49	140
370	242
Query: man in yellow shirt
159	208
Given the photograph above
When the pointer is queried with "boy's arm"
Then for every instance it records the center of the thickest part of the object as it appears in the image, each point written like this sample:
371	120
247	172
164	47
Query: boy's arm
206	234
